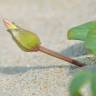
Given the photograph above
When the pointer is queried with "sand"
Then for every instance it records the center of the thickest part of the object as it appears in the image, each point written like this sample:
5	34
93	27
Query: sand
37	74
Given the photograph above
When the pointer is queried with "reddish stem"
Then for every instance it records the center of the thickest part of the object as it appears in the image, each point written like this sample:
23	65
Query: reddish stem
57	55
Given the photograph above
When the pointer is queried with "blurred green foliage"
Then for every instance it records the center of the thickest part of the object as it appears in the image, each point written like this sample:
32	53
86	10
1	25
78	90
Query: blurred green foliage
85	32
82	78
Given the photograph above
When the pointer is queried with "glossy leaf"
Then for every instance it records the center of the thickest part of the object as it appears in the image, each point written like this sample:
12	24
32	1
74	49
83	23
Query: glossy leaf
90	42
93	84
81	79
80	32
76	84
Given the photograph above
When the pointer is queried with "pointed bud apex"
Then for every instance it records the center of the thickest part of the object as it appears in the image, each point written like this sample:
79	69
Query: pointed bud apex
26	40
8	24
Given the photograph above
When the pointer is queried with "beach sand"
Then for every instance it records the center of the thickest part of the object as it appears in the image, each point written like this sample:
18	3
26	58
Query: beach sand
37	74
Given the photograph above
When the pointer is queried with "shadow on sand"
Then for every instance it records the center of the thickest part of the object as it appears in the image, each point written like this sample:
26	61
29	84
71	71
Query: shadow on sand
75	50
16	70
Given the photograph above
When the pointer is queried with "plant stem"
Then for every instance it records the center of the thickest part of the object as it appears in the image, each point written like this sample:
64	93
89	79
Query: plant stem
57	55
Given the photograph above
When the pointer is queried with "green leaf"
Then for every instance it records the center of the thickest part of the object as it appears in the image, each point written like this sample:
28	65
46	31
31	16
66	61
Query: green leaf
77	83
93	84
78	94
90	42
81	78
80	32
